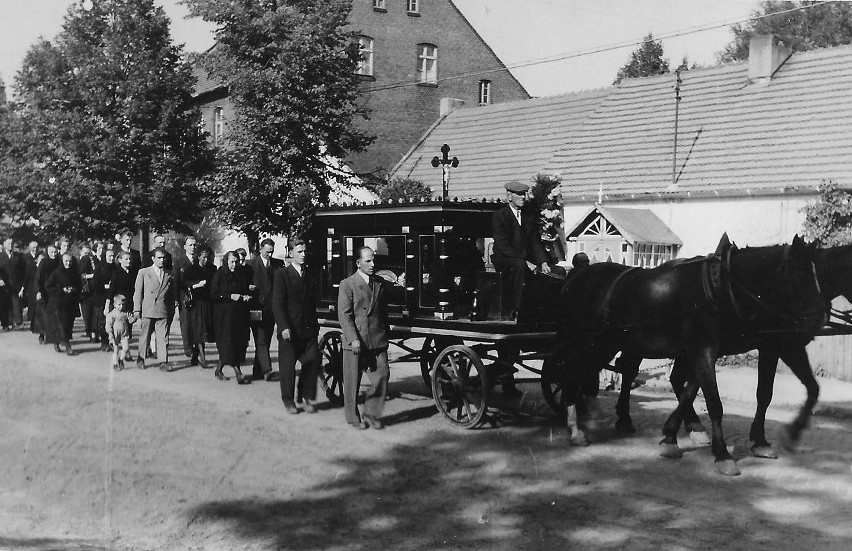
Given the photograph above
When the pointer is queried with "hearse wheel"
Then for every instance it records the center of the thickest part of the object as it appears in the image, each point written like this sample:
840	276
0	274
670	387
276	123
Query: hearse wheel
331	352
551	387
432	346
460	386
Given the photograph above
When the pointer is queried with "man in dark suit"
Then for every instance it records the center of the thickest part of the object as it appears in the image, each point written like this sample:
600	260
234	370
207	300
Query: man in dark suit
518	251
362	311
88	266
182	264
13	265
125	238
30	273
262	269
159	242
295	298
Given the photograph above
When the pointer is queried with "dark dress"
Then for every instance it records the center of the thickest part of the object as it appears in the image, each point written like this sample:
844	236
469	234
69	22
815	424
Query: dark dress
41	320
199	318
122	283
62	307
103	277
30	286
230	318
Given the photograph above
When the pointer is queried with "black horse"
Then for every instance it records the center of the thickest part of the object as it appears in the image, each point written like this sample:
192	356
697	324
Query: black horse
834	274
690	310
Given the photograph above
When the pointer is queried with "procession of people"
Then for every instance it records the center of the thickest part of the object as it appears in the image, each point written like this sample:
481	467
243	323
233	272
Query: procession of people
118	292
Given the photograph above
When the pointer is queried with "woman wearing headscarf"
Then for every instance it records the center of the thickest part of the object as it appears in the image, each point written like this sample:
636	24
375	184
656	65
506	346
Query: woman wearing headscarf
230	295
63	292
41	324
101	286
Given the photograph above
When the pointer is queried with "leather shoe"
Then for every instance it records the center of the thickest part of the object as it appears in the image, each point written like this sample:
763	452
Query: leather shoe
374	422
290	406
272	376
309	406
360	425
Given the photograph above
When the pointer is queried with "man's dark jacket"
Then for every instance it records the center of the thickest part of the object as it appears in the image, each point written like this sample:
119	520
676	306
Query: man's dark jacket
295	300
513	242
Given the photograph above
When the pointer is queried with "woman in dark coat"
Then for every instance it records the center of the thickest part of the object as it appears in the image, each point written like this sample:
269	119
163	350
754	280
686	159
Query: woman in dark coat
230	296
101	286
63	295
41	325
196	282
123	282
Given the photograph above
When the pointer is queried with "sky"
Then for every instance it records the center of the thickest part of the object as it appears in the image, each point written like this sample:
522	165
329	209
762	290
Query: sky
519	31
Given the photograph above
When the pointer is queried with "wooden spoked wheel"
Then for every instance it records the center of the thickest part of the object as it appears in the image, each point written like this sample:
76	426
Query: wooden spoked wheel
551	387
331	352
460	386
432	346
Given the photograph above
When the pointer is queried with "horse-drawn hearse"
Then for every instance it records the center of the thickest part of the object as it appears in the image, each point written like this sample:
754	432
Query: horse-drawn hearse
442	288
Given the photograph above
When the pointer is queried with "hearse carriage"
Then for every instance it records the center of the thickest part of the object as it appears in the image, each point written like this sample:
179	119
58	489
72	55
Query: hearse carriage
436	257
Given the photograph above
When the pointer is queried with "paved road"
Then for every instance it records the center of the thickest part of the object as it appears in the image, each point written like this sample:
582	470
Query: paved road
92	459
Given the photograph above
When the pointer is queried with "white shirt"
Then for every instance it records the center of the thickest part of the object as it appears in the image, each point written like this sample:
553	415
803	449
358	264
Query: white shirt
160	275
517	213
265	262
365	277
297	268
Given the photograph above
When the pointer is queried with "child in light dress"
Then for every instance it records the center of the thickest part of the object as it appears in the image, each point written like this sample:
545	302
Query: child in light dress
118	329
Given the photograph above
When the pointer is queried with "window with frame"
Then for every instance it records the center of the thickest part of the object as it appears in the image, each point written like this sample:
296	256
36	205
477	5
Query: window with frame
378	4
412	6
484	92
427	63
365	48
218	125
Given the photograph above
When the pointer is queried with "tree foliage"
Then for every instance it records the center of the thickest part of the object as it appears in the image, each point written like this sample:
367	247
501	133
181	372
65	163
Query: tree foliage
645	61
821	26
289	66
828	221
402	189
105	135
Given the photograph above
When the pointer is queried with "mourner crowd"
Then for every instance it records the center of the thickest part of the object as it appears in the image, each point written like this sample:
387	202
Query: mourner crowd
117	292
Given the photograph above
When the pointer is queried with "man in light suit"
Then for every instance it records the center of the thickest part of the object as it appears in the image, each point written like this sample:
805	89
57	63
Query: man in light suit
295	298
262	269
363	315
154	304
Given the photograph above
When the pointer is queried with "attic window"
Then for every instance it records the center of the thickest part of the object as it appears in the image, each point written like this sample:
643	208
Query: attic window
379	5
484	92
427	63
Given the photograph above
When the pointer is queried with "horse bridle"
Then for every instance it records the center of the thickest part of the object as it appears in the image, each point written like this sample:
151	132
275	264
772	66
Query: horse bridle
782	273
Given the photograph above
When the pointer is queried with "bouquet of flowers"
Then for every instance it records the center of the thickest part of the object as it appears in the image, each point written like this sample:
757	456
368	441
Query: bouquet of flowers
545	201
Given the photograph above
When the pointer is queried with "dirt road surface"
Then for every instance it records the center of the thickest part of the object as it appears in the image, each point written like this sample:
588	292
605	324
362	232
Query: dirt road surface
146	460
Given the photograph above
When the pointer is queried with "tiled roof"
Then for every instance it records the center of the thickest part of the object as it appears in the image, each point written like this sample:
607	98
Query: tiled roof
203	82
498	143
732	137
640	225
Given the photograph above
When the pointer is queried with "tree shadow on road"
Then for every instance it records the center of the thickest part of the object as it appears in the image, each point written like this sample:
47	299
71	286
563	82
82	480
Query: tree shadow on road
522	487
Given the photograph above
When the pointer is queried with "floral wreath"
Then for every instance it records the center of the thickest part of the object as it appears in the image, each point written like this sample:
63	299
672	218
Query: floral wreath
545	202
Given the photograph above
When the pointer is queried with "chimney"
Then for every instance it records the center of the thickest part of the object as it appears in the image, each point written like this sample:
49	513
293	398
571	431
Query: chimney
448	104
766	54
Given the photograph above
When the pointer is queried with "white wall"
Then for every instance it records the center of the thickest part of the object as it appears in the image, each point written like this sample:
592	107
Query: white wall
700	223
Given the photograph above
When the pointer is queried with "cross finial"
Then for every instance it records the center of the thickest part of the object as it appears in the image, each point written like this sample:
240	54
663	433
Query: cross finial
445	163
600	193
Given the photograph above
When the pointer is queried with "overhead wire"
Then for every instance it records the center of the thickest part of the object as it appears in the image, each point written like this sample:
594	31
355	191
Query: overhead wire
596	50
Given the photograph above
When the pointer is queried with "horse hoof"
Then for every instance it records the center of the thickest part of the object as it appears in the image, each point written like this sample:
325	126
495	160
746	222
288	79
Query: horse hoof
579	440
624	427
670	451
764	452
727	467
699	438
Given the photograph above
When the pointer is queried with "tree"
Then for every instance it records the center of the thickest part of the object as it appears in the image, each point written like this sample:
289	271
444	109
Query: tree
290	70
402	189
821	26
106	135
645	61
828	221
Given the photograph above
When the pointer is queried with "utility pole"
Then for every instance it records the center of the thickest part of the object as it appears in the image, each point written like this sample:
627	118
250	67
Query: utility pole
677	110
445	163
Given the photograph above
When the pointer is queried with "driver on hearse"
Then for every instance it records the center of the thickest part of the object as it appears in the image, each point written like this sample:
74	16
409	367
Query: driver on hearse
518	250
